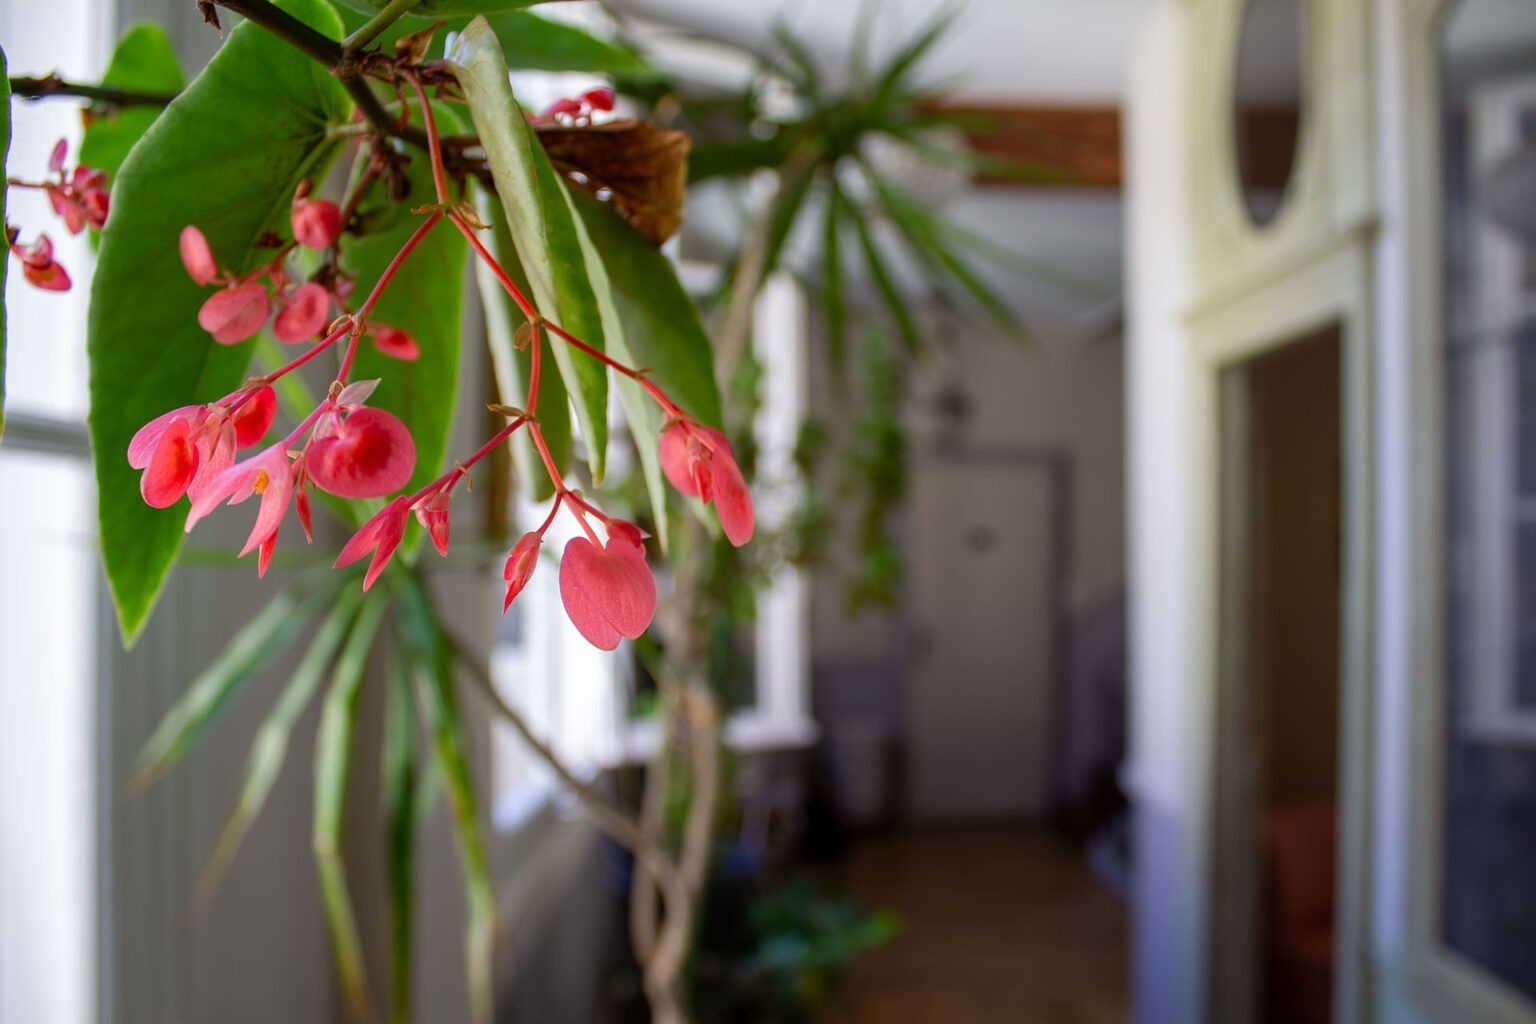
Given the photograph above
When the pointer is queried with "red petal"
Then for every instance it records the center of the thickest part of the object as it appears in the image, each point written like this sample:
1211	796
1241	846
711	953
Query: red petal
598	99
685	458
521	562
172	466
142	447
369	455
197	257
733	500
307	310
316	222
254	417
395	343
381	535
50	277
235	313
57	157
608	592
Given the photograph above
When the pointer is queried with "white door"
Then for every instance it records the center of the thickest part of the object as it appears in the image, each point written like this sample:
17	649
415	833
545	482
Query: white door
981	601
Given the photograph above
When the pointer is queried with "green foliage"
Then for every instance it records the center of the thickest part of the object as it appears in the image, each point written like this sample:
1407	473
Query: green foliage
876	480
226	155
401	808
805	942
445	8
542	226
424	299
144	61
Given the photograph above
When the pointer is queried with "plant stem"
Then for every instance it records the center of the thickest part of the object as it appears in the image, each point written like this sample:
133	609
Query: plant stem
376	25
52	85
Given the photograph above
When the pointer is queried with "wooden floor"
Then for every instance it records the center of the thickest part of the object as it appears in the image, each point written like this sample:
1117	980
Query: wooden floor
1002	926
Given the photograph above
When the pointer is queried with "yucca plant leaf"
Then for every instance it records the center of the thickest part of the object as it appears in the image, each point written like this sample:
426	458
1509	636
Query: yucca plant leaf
832	278
400	814
256	644
431	669
895	302
893	77
333	762
270	747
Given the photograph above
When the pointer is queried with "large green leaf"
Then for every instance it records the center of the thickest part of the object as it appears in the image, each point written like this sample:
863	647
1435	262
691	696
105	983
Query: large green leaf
144	61
661	323
226	155
446	7
512	366
5	152
424	299
543	228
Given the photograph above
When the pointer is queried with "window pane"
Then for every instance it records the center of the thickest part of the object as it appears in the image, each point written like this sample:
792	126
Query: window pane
1489	284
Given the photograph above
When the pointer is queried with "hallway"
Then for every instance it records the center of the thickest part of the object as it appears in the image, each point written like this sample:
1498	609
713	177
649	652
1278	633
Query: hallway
1001	926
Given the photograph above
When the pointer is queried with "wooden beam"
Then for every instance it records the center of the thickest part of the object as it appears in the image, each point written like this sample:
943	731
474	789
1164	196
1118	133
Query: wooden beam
1055	147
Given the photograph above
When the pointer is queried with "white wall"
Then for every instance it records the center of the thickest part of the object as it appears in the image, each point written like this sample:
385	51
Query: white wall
1167	956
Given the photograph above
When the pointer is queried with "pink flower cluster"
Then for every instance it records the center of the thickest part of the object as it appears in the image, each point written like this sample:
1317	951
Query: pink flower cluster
577	111
80	198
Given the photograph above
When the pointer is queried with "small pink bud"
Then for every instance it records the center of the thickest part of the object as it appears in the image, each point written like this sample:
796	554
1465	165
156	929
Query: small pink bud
58	156
608	592
380	535
306	311
301	507
235	313
432	513
598	99
521	562
197	257
367	455
316	222
395	343
254	417
39	267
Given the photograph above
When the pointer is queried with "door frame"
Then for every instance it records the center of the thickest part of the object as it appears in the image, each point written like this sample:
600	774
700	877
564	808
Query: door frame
1332	287
1057	466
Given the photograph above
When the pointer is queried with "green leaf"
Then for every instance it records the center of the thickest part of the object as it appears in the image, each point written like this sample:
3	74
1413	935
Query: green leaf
144	61
733	158
891	79
661	323
226	155
538	44
543	229
640	410
252	648
400	813
446	7
5	153
432	669
270	747
333	762
832	279
425	300
502	318
894	300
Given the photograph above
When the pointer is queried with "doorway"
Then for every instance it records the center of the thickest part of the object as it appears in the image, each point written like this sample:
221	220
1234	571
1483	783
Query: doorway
985	599
1279	699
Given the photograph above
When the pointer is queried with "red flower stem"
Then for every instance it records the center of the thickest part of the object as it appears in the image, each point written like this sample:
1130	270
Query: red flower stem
272	266
587	505
450	478
434	145
501	275
651	389
544	527
361	316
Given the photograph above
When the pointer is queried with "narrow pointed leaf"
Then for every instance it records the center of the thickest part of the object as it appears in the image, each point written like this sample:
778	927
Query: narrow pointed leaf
400	814
333	761
502	318
432	671
226	156
832	279
895	302
270	747
543	229
891	79
262	638
143	61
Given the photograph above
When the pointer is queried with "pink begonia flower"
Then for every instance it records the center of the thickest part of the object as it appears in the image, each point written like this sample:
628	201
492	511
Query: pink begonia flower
268	474
197	256
252	419
316	222
432	512
171	467
82	200
303	313
367	454
141	448
38	265
598	99
608	592
521	562
709	474
395	343
235	313
381	535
